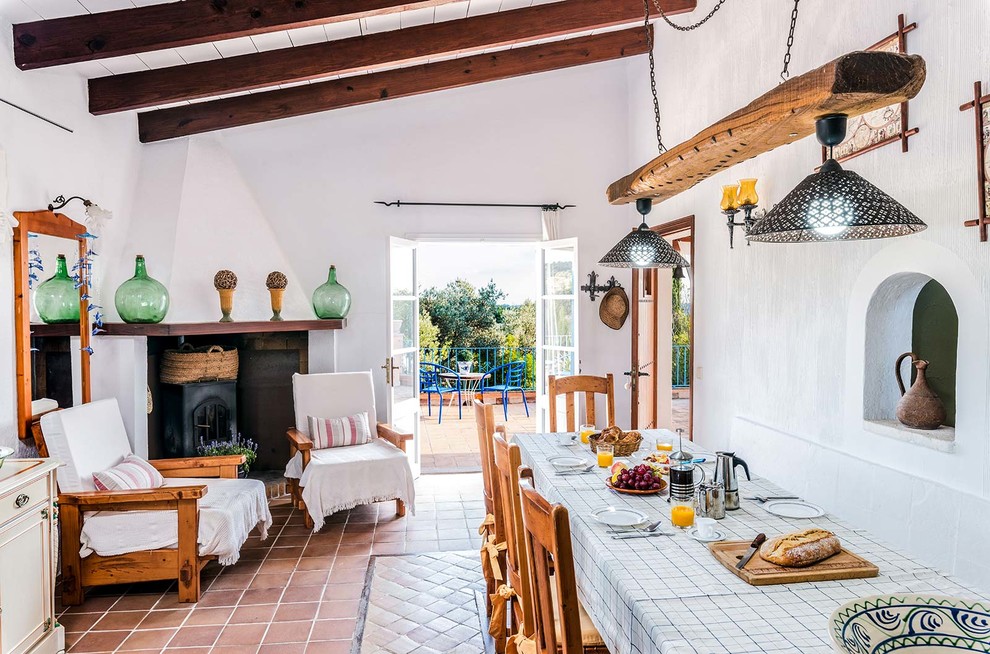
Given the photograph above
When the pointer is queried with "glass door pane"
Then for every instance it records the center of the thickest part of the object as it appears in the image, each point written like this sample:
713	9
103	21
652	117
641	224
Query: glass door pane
556	321
403	345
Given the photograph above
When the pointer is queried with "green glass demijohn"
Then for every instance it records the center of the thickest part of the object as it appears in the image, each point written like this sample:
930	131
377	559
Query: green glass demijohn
141	299
57	298
331	300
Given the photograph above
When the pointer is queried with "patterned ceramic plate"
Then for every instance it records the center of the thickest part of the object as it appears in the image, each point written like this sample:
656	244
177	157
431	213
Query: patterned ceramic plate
619	517
910	623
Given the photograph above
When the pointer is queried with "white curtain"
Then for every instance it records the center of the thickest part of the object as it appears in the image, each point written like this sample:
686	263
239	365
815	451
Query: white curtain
551	224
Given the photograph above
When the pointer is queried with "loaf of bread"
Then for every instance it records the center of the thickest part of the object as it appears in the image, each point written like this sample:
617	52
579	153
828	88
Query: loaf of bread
802	548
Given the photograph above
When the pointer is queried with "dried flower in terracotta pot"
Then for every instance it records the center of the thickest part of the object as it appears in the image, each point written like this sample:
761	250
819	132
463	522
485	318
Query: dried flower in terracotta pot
225	280
276	279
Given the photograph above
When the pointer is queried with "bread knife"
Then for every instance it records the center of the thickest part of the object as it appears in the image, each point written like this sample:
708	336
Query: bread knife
755	545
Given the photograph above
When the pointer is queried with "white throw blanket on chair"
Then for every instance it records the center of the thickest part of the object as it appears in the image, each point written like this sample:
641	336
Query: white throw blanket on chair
340	478
228	512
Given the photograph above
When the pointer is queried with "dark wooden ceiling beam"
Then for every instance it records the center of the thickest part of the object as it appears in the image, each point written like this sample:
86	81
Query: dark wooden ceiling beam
155	27
375	87
415	44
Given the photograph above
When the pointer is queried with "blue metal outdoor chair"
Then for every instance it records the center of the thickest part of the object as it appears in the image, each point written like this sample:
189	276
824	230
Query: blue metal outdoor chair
431	382
511	376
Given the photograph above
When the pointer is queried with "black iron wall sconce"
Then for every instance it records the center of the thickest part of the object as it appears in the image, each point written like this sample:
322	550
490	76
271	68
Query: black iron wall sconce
593	288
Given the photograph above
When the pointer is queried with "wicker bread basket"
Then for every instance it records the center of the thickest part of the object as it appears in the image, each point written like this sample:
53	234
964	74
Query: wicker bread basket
628	443
198	364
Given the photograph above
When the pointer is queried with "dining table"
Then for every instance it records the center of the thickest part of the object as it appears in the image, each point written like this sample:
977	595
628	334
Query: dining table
669	595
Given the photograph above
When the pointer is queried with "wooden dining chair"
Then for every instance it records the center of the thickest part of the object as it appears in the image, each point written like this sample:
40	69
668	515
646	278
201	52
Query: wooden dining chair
493	529
590	386
508	461
561	623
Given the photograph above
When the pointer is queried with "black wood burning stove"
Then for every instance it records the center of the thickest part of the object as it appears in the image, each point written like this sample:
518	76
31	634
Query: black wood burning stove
194	414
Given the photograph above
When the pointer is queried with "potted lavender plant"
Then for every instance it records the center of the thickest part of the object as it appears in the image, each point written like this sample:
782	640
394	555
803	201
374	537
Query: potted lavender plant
235	445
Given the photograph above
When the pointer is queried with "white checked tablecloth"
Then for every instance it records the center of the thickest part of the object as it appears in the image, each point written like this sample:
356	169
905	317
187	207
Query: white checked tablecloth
669	595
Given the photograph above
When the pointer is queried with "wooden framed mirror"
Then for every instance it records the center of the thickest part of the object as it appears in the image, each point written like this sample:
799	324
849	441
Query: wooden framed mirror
47	223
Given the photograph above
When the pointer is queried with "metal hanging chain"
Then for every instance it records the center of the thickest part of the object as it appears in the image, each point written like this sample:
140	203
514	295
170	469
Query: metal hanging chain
653	75
784	74
653	64
688	28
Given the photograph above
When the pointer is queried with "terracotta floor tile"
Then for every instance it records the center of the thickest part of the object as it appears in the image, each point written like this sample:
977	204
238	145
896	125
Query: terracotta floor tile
293	541
187	650
331	647
289	632
315	563
164	619
347	576
93	605
355	550
320	549
78	622
333	629
275	566
253	614
154	639
214	598
389	536
195	636
283	648
137	602
309	578
119	620
242	634
231	582
261	596
100	641
302	594
285	552
343	591
351	562
201	616
232	649
296	612
388	549
335	609
280	580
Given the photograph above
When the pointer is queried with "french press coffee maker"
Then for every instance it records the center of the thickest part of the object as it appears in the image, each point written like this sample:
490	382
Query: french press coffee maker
682	472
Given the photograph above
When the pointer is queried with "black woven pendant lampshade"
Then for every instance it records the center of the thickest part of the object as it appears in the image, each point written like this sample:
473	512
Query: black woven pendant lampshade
834	205
643	248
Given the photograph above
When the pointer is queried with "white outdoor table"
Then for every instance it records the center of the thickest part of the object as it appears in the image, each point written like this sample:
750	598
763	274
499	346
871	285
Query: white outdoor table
669	595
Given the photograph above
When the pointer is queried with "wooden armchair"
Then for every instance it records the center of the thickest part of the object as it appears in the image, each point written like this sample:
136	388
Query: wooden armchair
590	386
91	438
361	474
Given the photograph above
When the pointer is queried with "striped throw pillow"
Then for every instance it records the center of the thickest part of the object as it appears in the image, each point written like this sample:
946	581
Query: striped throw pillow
133	473
339	432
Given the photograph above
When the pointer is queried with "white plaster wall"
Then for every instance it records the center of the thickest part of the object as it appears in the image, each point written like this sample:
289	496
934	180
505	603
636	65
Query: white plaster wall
780	336
96	161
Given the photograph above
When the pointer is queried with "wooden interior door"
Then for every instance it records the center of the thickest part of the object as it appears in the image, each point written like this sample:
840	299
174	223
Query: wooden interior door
645	350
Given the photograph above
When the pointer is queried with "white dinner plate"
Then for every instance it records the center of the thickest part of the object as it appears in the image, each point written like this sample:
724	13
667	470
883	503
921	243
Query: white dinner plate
794	509
566	462
619	517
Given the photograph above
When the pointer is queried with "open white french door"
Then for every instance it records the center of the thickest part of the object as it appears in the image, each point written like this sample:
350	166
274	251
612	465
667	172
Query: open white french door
556	320
402	363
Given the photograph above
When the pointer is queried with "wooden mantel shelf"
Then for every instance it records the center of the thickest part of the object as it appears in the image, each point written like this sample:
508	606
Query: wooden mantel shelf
194	328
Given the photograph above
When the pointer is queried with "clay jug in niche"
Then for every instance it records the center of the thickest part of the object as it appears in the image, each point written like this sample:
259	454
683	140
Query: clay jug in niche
919	406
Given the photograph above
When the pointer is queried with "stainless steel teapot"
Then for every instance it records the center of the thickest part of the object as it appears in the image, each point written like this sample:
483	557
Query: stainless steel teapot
725	472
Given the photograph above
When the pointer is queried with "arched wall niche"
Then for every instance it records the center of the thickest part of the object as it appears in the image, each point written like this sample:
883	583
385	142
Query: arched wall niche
879	323
891	321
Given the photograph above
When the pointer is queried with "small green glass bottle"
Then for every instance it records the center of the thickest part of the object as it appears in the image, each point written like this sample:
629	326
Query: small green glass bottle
57	298
141	299
331	300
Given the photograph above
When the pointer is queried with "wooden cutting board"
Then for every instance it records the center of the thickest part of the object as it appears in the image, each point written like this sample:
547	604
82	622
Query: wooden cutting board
844	565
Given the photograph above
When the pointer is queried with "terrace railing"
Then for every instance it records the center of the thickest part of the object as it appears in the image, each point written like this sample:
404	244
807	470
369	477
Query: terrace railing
681	366
484	359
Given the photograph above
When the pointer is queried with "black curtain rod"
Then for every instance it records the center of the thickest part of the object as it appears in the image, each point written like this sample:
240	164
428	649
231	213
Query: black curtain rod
546	207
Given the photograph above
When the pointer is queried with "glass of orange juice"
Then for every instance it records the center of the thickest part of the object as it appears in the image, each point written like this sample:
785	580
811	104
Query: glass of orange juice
682	514
606	455
663	445
586	432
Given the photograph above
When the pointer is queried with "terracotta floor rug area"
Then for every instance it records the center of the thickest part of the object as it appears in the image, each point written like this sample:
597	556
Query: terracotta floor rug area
424	604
